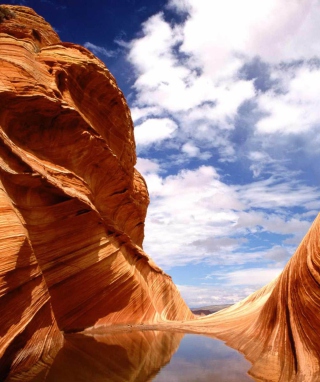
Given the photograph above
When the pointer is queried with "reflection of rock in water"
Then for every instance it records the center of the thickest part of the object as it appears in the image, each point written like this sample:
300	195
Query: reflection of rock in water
117	357
72	211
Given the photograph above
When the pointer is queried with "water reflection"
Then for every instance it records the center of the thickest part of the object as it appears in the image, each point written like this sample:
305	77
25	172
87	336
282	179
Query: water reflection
143	356
204	359
117	357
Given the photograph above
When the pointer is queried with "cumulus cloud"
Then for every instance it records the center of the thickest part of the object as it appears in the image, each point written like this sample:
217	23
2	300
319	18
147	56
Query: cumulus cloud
198	76
206	295
154	130
232	89
147	166
166	83
275	30
190	149
141	113
195	216
297	110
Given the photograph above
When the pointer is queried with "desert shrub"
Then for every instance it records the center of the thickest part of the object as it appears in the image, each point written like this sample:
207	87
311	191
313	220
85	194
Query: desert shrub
5	13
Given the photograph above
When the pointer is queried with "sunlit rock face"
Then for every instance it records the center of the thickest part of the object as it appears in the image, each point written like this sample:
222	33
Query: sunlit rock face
277	328
28	328
72	211
72	205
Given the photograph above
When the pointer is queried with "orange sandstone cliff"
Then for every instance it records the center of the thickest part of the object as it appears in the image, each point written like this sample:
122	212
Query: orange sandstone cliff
277	328
72	205
72	210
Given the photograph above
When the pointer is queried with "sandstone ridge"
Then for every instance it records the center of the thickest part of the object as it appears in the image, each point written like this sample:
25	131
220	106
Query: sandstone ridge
277	328
72	212
72	204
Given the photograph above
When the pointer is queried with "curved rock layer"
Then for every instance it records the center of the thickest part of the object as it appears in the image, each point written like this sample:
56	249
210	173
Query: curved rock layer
277	328
26	313
72	204
72	210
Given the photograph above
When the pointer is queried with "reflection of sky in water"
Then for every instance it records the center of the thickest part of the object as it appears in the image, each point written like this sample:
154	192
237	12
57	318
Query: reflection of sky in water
141	356
204	359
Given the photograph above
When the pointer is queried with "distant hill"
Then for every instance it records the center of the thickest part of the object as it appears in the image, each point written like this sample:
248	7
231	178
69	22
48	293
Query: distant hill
205	310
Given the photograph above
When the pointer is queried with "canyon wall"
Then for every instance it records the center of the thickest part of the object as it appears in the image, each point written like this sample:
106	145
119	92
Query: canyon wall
277	328
72	204
72	212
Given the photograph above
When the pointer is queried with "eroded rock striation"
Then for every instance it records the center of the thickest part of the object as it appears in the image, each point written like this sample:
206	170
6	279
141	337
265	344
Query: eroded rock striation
72	204
72	211
277	328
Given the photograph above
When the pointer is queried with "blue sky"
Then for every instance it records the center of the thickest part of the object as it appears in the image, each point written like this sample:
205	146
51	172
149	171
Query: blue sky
225	101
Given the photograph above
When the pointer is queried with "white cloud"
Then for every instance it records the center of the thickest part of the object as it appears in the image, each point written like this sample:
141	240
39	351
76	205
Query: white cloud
194	216
190	149
260	161
258	221
167	83
278	253
191	88
222	104
154	130
186	207
273	193
141	113
296	111
200	296
192	70
274	30
216	244
156	44
146	166
255	276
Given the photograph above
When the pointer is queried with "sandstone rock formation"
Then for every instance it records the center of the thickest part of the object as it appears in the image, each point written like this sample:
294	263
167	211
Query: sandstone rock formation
72	204
72	210
277	328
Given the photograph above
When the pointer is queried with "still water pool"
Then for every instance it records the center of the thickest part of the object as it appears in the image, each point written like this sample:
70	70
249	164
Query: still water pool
140	356
204	359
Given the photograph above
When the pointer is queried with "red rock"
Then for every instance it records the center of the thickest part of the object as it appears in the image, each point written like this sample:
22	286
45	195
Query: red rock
27	324
277	328
72	211
73	206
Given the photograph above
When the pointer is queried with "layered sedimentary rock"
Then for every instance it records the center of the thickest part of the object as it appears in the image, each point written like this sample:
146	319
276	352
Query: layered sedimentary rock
277	328
26	316
72	204
72	210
